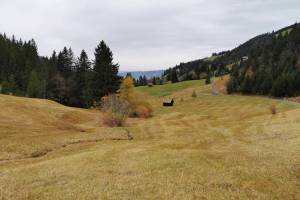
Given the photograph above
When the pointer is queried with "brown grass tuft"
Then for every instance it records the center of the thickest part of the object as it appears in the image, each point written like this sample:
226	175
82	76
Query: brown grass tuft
273	109
114	119
37	154
194	94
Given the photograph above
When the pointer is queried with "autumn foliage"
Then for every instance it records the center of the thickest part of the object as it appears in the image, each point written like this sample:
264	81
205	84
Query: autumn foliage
129	103
138	107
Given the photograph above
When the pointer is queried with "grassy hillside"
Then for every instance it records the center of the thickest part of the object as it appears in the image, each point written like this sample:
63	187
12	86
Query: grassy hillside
33	127
209	147
168	89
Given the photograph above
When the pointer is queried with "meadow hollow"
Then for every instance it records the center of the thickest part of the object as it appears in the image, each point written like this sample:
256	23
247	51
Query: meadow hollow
138	99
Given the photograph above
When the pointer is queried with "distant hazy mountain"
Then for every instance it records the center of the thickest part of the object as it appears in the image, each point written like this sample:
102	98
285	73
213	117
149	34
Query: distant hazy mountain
148	74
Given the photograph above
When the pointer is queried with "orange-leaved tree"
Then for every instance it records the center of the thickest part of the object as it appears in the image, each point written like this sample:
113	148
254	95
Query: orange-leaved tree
138	107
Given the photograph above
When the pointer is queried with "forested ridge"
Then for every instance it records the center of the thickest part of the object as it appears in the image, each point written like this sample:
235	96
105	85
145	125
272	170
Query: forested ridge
268	64
60	77
272	67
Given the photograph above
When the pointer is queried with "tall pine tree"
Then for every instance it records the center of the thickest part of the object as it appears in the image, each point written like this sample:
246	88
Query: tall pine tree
106	79
35	86
174	77
83	80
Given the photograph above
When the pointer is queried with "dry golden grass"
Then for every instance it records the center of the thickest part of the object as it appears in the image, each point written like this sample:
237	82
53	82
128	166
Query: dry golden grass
210	147
33	127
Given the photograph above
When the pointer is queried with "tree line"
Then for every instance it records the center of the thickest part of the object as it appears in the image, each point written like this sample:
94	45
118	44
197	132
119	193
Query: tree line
143	81
61	77
198	69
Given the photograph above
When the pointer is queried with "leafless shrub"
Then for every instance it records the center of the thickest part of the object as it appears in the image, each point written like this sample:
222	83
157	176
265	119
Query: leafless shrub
115	110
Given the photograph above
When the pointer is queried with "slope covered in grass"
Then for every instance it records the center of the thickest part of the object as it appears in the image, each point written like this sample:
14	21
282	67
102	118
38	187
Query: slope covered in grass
33	127
209	147
168	89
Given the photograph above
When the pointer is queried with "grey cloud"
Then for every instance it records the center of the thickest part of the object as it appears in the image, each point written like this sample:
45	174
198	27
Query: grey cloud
145	34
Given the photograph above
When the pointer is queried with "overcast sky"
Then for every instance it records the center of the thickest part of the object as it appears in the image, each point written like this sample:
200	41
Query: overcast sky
145	34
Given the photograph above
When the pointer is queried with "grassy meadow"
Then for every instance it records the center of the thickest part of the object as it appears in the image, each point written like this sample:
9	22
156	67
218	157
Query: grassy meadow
208	147
168	89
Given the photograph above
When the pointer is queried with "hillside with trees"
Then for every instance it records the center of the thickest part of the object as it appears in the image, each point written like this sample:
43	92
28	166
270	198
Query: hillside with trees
268	64
61	77
272	68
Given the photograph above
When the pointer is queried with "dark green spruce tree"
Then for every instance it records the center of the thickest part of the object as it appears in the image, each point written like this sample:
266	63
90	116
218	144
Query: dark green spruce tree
35	86
106	79
9	86
174	77
83	92
208	77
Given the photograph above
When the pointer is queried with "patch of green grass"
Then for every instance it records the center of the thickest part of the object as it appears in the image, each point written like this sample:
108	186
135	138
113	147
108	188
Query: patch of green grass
284	33
170	88
229	66
212	58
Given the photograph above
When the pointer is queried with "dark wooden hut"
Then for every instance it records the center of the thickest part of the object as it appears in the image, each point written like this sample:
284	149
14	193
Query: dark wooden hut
168	103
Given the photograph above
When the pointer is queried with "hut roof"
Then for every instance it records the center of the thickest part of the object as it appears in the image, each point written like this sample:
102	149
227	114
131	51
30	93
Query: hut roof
168	101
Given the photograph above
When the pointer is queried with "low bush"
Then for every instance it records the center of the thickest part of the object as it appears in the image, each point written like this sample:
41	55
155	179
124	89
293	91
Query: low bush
194	94
114	119
273	109
141	110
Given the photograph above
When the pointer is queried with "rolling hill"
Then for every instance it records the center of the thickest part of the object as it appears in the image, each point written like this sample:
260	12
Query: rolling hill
208	147
33	127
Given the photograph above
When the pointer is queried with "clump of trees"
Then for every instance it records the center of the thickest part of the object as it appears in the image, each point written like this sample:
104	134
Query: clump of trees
138	106
143	81
199	69
127	103
61	77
